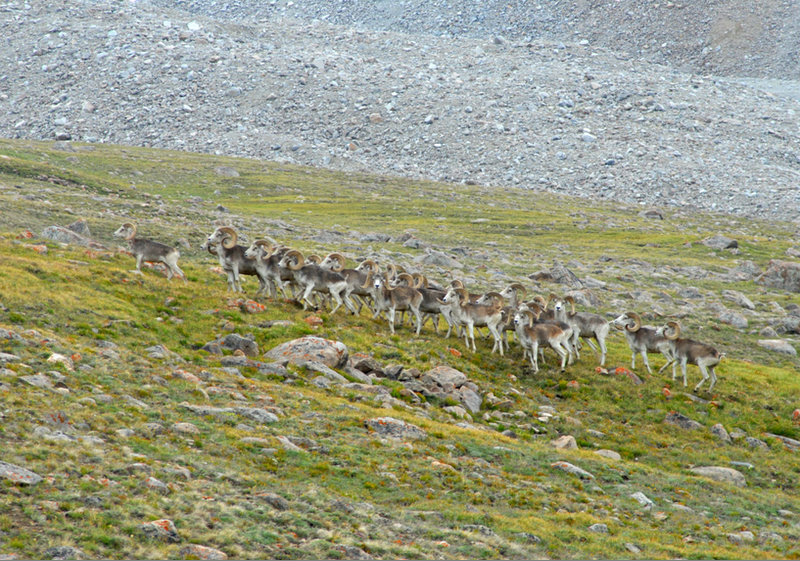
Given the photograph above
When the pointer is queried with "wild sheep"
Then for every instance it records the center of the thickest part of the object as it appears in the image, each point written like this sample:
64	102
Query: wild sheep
688	351
151	251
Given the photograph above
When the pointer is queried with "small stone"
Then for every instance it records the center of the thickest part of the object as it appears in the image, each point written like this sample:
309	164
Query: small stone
275	501
395	428
203	552
598	528
720	242
64	552
332	354
18	475
719	431
610	454
185	428
156	485
682	421
574	470
566	442
778	345
756	443
163	530
642	499
723	474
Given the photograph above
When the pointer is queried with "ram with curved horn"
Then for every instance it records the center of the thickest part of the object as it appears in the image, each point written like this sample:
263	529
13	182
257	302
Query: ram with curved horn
355	278
223	243
533	335
585	325
151	251
432	306
688	351
471	315
313	278
642	339
401	298
266	253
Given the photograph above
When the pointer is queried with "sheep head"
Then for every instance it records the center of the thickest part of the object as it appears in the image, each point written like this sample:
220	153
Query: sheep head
126	231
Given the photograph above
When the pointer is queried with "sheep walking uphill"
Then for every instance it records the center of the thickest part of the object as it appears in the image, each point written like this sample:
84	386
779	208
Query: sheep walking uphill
150	251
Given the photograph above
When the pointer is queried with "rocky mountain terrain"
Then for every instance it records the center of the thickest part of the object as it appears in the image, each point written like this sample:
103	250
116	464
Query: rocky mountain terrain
146	418
540	97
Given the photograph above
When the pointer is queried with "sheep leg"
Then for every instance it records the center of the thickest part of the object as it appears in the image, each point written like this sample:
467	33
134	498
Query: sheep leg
704	372
416	312
534	354
139	259
391	319
305	297
561	352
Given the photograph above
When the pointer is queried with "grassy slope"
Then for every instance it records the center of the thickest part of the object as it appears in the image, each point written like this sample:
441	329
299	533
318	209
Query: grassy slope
385	497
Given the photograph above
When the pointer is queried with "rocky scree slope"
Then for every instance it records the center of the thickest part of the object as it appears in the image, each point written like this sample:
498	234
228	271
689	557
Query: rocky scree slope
732	38
565	117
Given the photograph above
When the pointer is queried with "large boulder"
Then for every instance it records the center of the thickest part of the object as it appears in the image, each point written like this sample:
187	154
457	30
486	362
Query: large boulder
784	275
395	428
332	354
444	376
724	474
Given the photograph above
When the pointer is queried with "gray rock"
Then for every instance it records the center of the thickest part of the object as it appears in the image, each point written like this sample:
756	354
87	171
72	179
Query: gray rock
157	485
65	235
643	499
328	373
64	552
256	414
739	298
436	258
723	474
275	501
719	431
756	443
572	469
195	551
735	319
470	399
38	381
395	428
682	421
309	348
565	442
444	376
610	454
225	171
790	443
781	346
234	342
598	528
5	358
720	242
18	475
784	275
161	530
80	227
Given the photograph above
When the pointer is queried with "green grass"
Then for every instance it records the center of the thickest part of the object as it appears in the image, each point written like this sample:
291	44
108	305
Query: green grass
385	497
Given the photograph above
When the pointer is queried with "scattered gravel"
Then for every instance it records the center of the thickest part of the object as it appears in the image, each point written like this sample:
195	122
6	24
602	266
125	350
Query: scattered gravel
501	95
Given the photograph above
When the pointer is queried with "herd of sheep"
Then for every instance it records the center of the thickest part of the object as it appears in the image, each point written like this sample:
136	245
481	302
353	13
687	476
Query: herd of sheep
536	324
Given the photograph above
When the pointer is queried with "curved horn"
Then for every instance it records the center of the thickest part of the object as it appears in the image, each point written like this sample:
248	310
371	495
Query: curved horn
496	296
297	257
230	239
676	327
519	288
391	271
405	277
571	301
314	258
456	283
369	279
132	228
419	280
462	295
530	315
339	258
637	322
539	299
